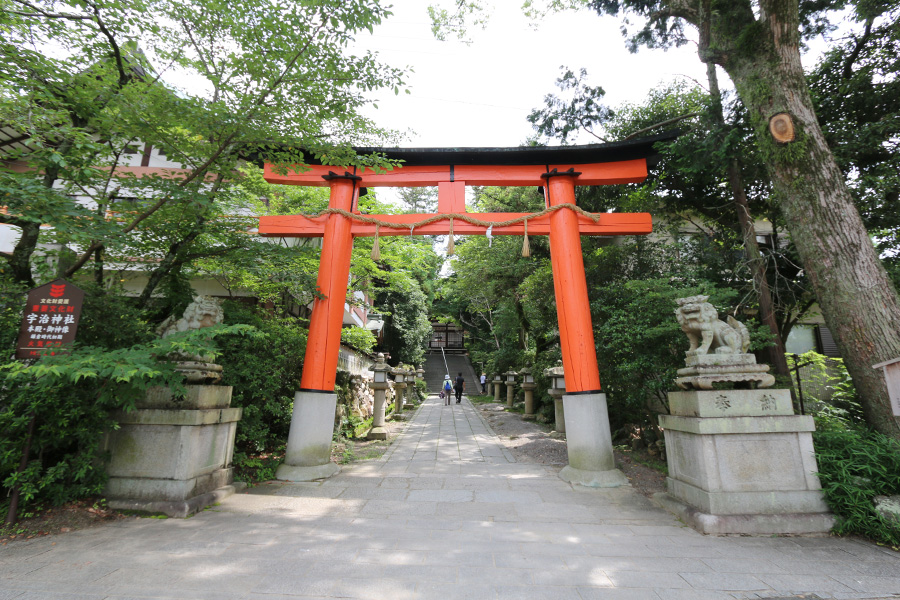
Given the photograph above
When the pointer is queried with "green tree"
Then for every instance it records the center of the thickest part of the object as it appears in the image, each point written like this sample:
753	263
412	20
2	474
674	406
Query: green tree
758	45
706	168
856	89
485	294
265	371
259	76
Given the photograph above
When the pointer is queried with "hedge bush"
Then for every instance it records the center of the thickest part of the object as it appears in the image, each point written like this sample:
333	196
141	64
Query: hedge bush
855	466
265	371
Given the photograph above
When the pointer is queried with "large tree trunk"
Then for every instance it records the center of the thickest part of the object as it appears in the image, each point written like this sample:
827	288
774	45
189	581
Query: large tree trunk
20	259
755	262
170	262
857	298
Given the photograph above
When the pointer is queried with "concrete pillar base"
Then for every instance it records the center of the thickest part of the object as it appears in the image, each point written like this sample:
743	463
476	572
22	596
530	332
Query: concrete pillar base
308	455
377	433
589	442
595	479
529	417
287	472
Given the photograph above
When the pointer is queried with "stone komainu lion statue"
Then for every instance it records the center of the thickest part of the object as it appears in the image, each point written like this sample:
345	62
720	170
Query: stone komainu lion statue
700	321
204	311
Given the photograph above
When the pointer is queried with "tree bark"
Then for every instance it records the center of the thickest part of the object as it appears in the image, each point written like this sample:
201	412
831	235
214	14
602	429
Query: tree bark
20	259
12	514
169	262
98	266
748	233
858	300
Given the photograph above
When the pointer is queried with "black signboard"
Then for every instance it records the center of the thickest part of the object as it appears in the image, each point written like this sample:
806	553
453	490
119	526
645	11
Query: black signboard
50	320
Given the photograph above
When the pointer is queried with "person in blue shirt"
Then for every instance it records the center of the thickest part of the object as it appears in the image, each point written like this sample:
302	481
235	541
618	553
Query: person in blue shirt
448	387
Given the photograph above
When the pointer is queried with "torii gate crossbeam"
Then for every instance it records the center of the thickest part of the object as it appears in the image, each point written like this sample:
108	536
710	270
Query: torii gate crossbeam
557	171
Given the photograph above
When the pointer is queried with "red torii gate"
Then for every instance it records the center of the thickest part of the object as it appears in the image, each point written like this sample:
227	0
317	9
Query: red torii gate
557	171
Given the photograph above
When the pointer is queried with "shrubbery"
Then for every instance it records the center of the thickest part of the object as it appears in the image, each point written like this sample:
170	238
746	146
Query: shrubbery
265	371
359	338
855	466
640	345
53	413
421	390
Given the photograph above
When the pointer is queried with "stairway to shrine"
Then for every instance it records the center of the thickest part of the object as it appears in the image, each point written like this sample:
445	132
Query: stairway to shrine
456	363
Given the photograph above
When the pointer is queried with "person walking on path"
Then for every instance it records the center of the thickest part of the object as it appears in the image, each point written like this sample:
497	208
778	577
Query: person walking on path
448	387
459	387
483	383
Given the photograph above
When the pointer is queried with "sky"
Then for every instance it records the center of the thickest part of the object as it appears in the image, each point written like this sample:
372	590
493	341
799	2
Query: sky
479	95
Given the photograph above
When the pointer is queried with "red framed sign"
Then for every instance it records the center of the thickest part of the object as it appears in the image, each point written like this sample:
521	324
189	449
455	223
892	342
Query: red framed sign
50	320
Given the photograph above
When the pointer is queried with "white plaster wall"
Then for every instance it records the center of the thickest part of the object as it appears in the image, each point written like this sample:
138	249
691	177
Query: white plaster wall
801	339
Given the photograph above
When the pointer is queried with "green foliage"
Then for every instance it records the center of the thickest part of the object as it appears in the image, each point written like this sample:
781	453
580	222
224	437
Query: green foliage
83	96
265	371
580	111
687	193
640	345
856	90
256	468
839	407
408	327
358	337
12	306
112	320
421	390
855	466
354	427
71	400
496	295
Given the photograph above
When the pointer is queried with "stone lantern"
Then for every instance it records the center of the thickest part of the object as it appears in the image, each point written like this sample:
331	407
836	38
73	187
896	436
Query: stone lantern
510	387
528	386
379	385
410	386
497	381
557	389
420	373
400	387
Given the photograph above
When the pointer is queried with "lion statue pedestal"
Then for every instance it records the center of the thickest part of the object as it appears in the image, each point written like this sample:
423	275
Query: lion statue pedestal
740	461
173	455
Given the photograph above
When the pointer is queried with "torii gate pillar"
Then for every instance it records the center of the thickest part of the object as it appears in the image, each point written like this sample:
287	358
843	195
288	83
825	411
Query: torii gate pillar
588	436
308	454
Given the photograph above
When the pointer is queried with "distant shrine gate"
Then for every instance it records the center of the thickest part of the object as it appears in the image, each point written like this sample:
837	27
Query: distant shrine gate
557	171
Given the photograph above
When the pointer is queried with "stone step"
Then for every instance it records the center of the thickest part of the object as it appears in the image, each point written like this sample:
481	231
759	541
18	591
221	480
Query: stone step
436	369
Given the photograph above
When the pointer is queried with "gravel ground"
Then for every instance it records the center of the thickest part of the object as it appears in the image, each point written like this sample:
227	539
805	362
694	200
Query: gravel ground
534	442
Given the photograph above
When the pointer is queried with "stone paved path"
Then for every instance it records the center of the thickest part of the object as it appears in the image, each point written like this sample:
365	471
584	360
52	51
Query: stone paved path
447	514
